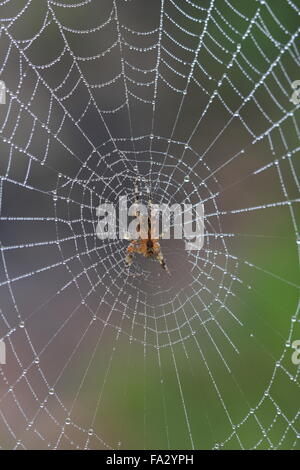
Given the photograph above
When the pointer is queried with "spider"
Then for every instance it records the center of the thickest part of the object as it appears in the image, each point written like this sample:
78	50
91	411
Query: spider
148	247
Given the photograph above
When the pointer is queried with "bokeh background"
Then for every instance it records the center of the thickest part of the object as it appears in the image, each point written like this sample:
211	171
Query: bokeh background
194	98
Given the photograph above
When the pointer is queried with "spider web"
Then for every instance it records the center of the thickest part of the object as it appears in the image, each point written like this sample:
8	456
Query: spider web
194	97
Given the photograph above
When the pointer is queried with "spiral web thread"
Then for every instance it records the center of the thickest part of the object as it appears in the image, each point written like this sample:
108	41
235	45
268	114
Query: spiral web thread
93	98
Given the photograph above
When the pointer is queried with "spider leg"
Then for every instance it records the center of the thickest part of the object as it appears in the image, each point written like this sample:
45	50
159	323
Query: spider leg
130	251
161	260
136	190
128	259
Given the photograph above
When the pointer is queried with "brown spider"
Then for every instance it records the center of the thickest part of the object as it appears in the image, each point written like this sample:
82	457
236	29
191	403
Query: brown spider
148	247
